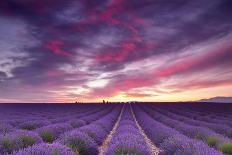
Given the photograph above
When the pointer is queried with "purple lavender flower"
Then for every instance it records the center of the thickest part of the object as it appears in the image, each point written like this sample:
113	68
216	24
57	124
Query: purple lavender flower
127	139
79	142
171	141
178	144
51	132
17	140
96	132
5	128
192	131
46	149
31	125
77	123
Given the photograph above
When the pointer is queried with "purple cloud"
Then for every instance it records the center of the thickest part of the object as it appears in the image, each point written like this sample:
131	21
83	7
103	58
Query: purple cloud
52	46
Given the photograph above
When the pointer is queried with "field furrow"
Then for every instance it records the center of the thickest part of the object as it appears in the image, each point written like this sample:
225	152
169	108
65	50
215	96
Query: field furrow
103	148
153	149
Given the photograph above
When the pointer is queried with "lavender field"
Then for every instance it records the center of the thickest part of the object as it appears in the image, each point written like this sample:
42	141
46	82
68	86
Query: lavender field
116	129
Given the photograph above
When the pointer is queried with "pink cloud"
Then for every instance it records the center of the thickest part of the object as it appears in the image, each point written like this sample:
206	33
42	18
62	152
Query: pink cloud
196	84
127	50
55	46
189	65
122	85
205	61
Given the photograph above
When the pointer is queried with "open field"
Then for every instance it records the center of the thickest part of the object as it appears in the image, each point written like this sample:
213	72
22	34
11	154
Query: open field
116	129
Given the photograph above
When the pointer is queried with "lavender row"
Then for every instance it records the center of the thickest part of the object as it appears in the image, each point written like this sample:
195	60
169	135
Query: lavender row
33	124
170	140
219	128
87	139
52	132
32	121
204	134
127	139
86	116
212	118
40	112
75	141
17	139
222	111
46	149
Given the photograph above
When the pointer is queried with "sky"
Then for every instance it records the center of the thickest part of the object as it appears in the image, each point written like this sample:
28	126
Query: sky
117	50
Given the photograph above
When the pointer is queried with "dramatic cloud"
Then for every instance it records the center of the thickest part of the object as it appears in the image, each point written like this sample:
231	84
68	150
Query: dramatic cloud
60	50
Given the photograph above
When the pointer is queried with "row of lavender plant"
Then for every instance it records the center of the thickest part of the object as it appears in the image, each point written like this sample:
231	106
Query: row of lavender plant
205	117
222	111
170	140
50	113
202	116
206	135
127	140
80	115
220	128
52	132
72	120
19	139
86	139
8	124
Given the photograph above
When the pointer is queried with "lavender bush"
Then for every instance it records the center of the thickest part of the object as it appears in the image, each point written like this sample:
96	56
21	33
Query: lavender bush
31	125
79	142
127	139
5	128
46	149
202	133
162	135
75	123
178	144
17	140
51	132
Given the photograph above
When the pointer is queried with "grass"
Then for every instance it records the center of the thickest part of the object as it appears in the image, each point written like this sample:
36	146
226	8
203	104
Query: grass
26	140
78	145
47	136
212	141
226	148
7	145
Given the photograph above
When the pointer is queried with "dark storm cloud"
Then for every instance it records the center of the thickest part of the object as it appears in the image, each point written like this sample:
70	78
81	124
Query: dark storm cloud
103	36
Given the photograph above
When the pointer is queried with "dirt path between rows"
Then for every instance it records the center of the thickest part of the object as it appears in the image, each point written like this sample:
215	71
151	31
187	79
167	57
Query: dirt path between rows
153	149
103	148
